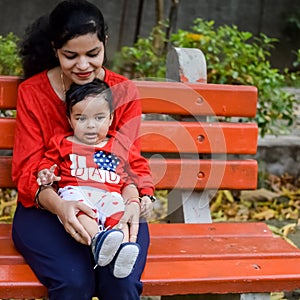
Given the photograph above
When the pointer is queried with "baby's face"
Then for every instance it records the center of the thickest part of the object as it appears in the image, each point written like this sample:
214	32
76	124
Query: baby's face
90	120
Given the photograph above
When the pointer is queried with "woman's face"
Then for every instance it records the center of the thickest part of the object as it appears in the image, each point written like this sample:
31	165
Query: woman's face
81	58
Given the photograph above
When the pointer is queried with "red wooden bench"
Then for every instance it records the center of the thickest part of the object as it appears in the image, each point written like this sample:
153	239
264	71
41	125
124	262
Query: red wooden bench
206	258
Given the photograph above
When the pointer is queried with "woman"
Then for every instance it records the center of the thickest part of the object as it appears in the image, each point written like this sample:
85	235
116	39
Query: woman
67	46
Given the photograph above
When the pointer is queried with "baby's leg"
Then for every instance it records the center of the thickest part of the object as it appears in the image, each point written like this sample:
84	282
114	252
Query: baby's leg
126	233
89	224
105	243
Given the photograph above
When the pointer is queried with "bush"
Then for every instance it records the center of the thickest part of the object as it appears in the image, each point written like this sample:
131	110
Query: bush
147	58
10	61
233	57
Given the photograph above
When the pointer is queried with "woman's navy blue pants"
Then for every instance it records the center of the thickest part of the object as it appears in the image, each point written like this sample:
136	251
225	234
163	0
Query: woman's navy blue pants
65	266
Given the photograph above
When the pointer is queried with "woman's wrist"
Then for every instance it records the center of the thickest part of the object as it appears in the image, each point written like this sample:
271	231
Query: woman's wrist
37	196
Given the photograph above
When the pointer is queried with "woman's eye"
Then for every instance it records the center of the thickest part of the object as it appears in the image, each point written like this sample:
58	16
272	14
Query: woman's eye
70	57
93	54
99	118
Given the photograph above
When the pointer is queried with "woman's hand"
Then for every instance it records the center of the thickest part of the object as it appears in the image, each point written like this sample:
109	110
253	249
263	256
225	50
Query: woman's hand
68	216
67	212
131	218
47	176
146	207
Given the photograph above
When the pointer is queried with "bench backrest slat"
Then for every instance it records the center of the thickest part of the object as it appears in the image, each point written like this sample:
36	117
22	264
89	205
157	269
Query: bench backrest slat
190	137
198	99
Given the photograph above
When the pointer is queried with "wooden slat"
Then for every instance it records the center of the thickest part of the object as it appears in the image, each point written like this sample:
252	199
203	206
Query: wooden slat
8	91
185	174
173	137
181	230
5	231
5	174
7	132
216	248
247	275
198	175
172	97
187	247
19	282
195	137
200	277
9	254
196	231
198	98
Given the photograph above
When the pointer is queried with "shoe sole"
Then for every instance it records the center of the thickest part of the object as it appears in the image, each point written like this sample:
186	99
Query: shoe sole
126	259
110	243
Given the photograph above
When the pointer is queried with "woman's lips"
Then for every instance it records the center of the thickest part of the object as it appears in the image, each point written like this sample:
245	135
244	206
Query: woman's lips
83	74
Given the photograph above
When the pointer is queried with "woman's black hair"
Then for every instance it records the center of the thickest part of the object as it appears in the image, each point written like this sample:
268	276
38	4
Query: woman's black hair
77	93
69	19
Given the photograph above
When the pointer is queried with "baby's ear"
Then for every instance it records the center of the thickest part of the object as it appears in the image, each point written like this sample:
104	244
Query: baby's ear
70	122
111	117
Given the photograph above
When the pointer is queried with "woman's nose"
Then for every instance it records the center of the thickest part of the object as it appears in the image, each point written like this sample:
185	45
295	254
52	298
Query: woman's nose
82	63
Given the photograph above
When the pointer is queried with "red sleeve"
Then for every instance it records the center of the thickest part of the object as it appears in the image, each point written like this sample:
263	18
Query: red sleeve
127	106
139	172
40	116
52	156
28	149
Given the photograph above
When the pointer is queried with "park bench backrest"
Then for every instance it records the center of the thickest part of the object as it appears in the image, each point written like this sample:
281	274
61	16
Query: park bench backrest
186	150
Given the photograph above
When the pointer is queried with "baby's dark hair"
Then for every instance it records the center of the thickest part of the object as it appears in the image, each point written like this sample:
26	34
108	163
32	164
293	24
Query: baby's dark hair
69	19
77	93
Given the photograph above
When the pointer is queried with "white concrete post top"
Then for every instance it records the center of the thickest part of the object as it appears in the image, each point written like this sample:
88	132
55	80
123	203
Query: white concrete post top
186	65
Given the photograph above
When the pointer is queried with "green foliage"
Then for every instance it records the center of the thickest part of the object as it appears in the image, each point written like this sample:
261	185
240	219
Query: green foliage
147	58
296	63
10	61
233	57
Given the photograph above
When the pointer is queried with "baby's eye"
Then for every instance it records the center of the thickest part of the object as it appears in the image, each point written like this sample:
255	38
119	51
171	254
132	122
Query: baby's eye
81	118
99	118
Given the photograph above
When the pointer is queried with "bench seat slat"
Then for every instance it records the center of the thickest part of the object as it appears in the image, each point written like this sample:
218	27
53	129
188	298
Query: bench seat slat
18	281
209	248
9	254
197	99
225	247
178	230
220	229
224	276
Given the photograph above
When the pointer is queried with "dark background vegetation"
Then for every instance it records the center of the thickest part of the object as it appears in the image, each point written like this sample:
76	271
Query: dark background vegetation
129	19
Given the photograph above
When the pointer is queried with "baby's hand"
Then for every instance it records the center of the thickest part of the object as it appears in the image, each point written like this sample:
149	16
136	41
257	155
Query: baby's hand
47	176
